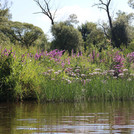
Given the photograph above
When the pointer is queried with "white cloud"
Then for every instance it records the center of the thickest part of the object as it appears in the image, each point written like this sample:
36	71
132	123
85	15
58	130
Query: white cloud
84	14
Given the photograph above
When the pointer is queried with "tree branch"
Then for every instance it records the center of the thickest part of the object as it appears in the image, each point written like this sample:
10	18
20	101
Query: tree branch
47	10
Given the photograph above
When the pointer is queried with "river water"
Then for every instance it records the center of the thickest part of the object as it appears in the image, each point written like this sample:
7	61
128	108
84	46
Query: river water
67	118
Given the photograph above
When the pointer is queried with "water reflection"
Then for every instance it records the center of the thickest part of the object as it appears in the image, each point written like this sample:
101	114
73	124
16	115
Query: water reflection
63	118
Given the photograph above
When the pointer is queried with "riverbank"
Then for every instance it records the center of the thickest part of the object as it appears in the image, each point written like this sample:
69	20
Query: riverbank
56	76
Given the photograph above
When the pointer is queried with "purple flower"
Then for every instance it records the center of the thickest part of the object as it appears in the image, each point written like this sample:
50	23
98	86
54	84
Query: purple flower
62	64
118	63
5	50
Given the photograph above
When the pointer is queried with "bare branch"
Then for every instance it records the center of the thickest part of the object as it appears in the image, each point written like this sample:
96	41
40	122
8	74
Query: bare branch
105	6
102	8
102	3
104	30
108	2
46	9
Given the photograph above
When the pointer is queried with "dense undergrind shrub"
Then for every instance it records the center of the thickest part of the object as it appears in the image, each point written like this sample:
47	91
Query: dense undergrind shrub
28	80
6	83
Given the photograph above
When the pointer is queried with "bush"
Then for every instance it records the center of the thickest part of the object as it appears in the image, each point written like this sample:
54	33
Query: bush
66	38
7	84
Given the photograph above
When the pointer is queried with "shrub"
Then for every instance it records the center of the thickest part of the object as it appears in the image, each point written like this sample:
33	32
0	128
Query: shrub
7	84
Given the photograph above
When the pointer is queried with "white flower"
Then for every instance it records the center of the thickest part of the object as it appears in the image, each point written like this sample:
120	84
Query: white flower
51	70
56	73
104	73
91	74
131	74
69	81
59	71
83	90
121	75
96	73
73	74
111	71
97	69
125	70
129	79
63	78
111	74
78	67
77	70
83	75
88	80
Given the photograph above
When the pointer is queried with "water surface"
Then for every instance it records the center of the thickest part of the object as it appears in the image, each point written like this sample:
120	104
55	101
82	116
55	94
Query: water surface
67	118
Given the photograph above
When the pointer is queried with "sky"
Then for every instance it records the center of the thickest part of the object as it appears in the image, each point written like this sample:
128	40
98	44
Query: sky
24	11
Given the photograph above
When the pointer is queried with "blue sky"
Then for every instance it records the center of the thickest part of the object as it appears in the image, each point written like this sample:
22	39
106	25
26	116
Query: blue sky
23	11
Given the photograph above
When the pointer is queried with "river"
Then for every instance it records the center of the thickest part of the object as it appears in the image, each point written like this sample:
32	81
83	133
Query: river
67	118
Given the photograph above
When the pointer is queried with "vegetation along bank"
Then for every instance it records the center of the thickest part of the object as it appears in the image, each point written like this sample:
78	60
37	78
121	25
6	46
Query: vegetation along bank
80	63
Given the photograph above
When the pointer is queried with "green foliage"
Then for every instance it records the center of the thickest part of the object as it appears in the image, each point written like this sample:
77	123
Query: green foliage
4	13
91	35
31	74
122	29
42	43
72	20
131	46
7	84
4	40
28	80
19	33
4	21
66	37
23	33
120	34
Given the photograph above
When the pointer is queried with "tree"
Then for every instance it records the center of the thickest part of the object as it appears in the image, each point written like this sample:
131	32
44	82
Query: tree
66	37
131	3
22	33
123	29
91	34
46	9
72	20
5	17
121	35
106	6
4	12
42	42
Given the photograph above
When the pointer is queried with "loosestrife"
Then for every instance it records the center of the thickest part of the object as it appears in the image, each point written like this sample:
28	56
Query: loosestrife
37	56
94	56
130	57
118	63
